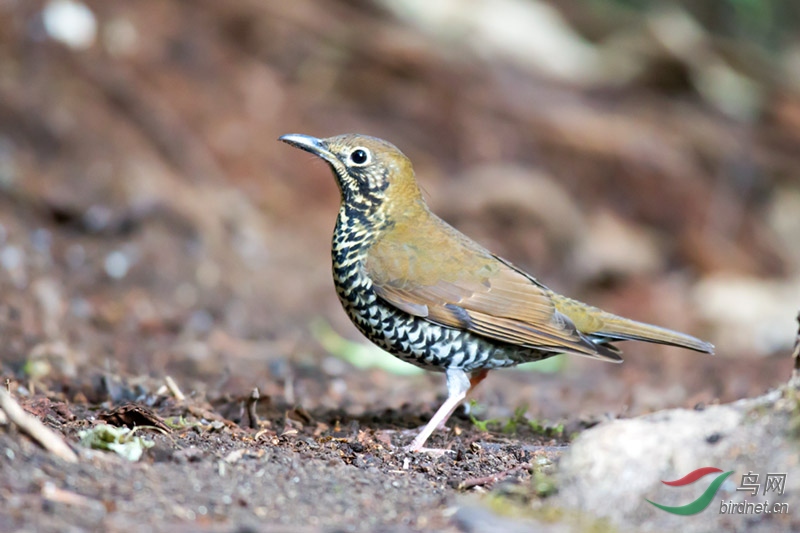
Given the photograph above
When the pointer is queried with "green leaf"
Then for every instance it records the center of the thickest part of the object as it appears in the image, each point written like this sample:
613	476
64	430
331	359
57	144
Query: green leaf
118	440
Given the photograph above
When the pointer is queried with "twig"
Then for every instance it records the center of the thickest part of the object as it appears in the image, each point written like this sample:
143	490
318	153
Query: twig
796	354
174	389
46	437
252	416
488	480
55	494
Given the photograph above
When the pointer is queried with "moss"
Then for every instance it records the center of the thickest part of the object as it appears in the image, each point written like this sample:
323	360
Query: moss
504	506
516	422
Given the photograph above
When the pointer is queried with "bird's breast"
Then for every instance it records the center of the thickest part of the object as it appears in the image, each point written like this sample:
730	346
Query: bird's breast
351	240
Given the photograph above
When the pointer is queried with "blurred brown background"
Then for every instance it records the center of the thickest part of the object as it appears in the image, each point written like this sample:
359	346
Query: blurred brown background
643	157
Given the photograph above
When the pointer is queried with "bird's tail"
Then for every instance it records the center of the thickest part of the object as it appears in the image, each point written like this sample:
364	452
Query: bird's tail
618	328
602	326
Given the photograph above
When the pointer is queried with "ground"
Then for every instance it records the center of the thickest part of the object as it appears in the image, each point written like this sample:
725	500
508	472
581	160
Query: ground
162	256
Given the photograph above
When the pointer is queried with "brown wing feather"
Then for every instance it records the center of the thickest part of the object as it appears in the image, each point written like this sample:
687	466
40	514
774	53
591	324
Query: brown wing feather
467	287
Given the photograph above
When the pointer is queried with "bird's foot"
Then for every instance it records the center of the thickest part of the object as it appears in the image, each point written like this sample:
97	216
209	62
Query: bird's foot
436	452
413	432
415	445
418	445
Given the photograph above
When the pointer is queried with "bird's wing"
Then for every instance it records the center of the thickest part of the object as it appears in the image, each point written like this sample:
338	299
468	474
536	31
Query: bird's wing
462	285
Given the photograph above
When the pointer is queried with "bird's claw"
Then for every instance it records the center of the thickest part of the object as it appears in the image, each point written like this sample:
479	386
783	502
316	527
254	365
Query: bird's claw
436	452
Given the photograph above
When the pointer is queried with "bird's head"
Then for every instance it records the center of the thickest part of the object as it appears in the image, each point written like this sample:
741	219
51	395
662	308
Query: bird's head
369	171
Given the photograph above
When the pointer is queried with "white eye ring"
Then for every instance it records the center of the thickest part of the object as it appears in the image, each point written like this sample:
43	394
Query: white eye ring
360	156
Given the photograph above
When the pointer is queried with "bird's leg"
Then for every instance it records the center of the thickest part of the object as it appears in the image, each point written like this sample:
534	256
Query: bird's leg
474	379
458	385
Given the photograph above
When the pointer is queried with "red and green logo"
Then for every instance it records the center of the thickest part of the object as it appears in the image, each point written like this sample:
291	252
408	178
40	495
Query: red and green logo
700	503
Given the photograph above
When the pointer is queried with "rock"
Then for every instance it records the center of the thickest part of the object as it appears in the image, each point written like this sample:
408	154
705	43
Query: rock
612	469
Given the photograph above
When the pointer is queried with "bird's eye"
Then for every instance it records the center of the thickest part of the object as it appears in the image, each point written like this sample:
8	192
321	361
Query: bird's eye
359	156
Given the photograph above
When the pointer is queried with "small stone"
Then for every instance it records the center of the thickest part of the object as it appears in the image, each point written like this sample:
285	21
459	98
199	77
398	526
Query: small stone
116	265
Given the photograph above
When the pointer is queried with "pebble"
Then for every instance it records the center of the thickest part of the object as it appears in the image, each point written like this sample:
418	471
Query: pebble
116	265
71	23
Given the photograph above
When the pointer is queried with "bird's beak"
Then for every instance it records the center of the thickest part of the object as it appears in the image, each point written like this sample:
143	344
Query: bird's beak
309	144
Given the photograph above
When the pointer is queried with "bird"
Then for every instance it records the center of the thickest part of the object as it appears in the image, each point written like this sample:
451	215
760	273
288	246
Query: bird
428	294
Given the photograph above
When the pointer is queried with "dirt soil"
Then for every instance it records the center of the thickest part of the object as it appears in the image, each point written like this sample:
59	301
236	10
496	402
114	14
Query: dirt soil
333	470
151	226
